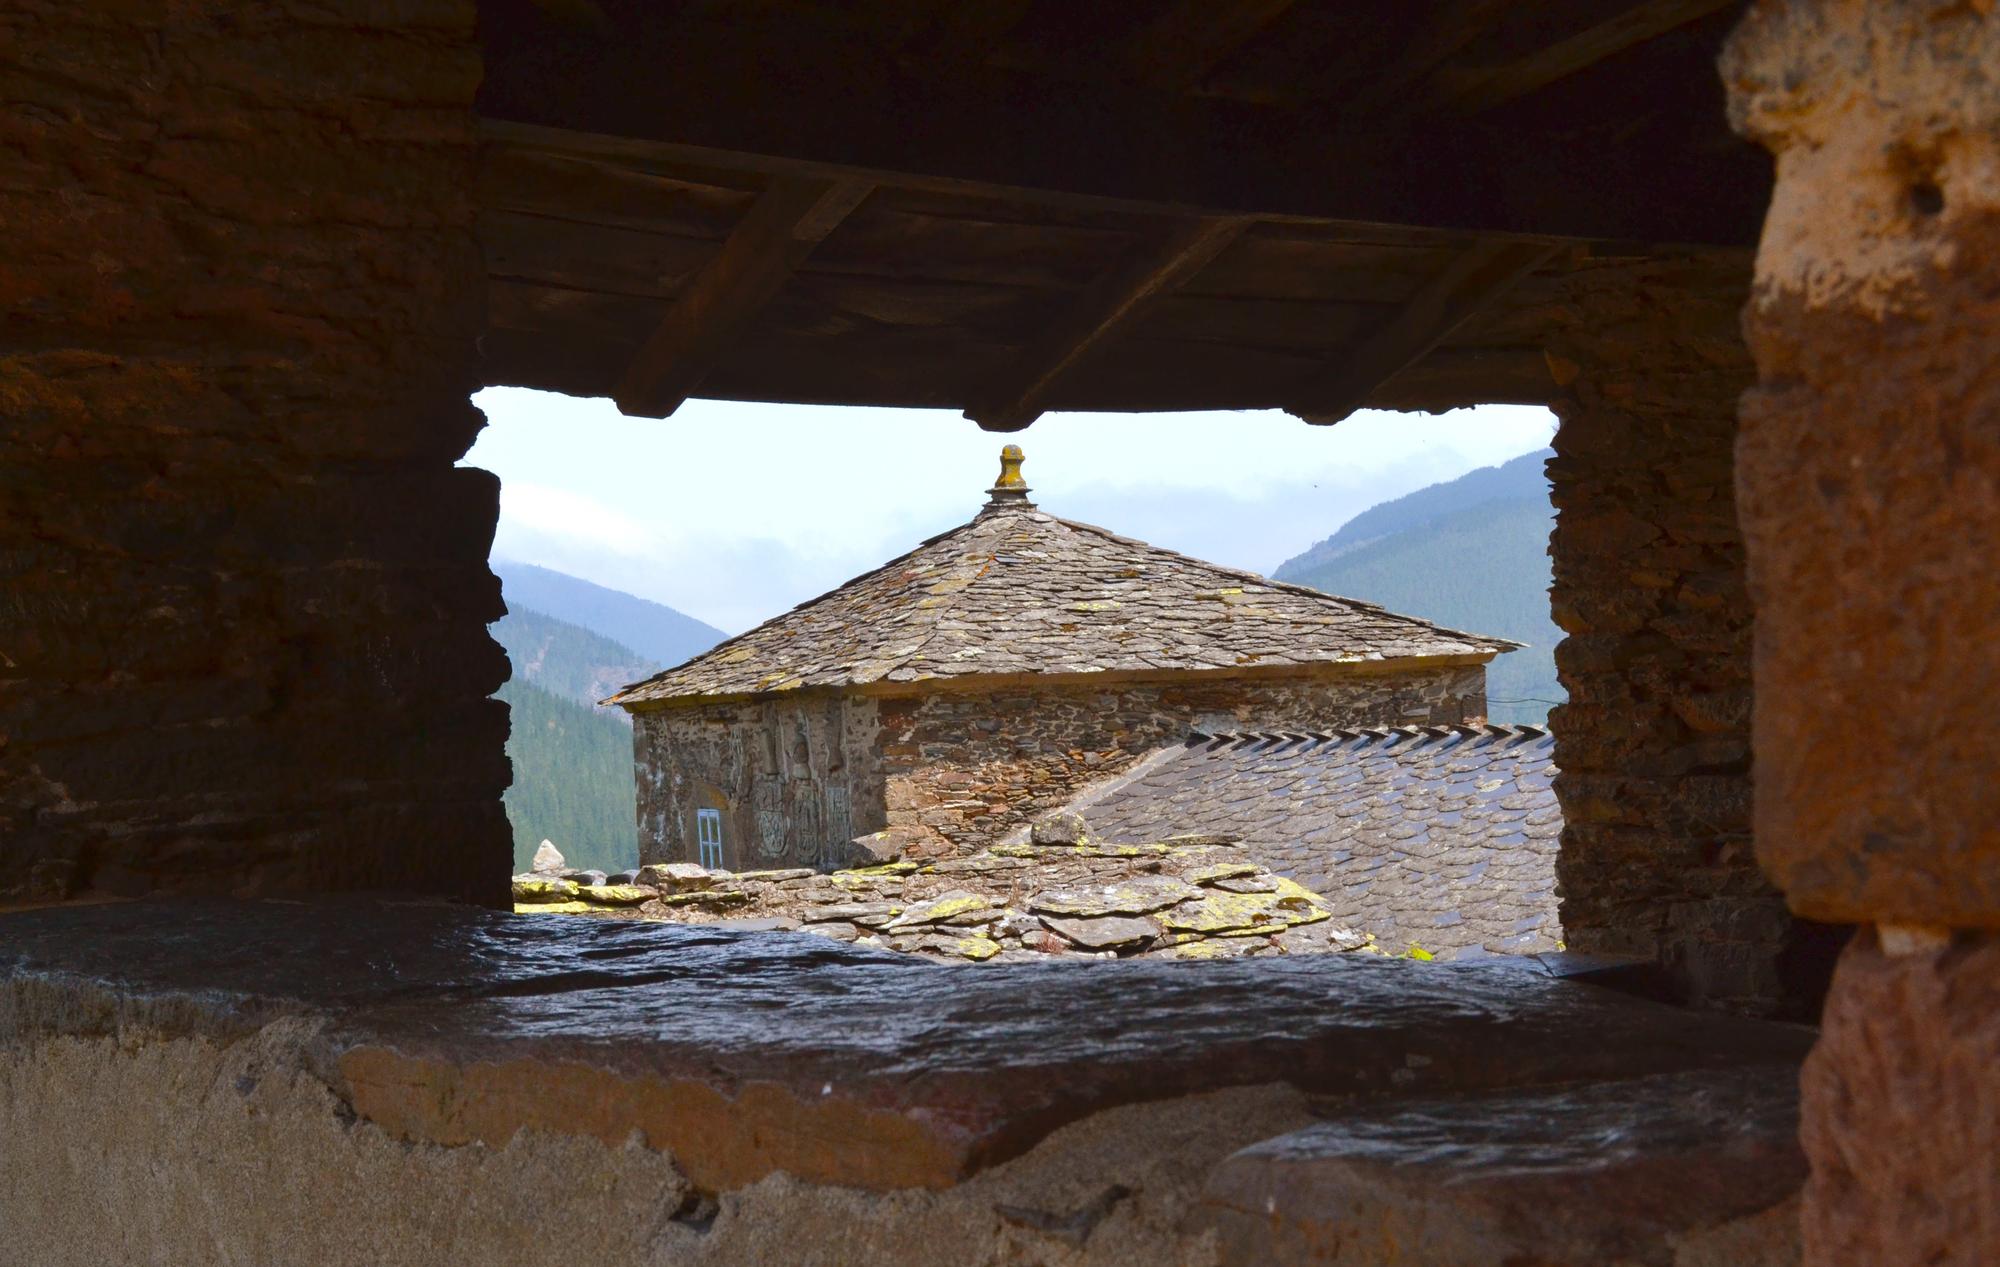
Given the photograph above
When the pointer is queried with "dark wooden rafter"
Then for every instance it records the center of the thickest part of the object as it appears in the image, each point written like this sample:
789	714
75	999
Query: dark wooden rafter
960	36
1471	91
1472	281
1108	304
1176	51
791	217
1444	34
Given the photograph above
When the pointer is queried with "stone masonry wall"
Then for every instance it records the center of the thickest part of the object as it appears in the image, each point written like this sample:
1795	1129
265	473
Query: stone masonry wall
1654	743
242	588
1869	476
792	779
963	769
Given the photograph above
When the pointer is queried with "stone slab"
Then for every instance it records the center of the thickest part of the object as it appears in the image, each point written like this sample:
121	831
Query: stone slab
1665	1171
747	1053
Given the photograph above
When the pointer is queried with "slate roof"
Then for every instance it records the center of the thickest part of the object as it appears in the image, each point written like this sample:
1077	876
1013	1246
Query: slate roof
1018	591
1442	837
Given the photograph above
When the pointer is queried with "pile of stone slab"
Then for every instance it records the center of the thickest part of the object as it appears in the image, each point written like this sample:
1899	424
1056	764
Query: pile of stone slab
1057	894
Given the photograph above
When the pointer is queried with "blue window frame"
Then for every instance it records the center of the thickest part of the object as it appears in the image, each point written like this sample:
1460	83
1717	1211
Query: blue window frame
708	837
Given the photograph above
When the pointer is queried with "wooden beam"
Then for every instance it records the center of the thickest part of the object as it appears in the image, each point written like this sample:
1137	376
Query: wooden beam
1177	51
1443	35
959	37
1107	305
1471	91
789	219
839	101
1468	284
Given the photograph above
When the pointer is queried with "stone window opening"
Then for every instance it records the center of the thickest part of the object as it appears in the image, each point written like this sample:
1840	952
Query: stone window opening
708	838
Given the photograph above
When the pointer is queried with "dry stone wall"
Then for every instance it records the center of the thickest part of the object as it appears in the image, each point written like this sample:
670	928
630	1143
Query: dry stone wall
1654	743
963	769
1184	897
243	589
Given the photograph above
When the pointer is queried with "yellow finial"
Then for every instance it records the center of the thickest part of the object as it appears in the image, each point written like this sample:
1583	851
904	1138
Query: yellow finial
1010	468
1010	487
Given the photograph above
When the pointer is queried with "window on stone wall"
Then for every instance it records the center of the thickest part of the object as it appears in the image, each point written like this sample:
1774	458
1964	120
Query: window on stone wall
708	838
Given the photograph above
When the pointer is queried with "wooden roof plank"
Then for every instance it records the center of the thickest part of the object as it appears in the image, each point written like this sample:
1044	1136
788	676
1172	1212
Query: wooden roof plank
1470	92
1177	51
1106	305
1464	287
782	227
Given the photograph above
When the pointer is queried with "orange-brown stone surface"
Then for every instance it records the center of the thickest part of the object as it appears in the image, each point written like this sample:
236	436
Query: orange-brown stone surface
1869	481
1869	464
242	586
1903	1127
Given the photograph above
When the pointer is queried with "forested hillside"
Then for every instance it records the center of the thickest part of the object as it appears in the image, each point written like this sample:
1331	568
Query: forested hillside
1472	554
573	760
568	659
572	780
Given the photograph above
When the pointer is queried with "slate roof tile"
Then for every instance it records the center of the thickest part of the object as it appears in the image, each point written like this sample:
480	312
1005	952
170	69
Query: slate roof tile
1399	829
1079	600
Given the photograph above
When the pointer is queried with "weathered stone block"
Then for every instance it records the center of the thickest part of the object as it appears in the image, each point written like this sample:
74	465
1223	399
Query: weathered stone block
1870	462
1902	1108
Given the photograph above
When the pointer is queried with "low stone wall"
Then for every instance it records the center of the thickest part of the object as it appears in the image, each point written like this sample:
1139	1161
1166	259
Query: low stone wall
1187	898
240	1082
964	769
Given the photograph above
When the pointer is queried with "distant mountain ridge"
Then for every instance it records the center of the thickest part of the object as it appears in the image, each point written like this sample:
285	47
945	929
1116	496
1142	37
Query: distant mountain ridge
1513	479
1470	553
654	630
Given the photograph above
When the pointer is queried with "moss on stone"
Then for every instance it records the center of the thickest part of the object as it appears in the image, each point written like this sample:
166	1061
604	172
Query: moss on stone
545	890
615	894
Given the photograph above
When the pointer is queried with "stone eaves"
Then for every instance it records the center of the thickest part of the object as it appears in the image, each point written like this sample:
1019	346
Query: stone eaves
1020	592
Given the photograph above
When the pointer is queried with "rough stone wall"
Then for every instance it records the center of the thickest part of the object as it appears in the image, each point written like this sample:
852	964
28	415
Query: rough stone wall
242	588
963	769
1869	476
118	1150
793	779
1654	743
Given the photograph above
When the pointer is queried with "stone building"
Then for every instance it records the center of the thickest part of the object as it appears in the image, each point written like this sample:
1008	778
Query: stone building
986	676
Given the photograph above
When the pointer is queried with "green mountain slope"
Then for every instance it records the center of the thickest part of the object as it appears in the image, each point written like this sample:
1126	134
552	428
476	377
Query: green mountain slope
655	631
572	780
1518	477
1482	567
567	659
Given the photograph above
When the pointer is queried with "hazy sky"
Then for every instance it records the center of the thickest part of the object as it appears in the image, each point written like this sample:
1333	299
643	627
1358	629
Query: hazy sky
733	513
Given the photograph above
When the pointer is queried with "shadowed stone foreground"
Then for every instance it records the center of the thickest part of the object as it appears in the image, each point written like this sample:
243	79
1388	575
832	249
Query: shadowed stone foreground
744	1054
